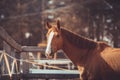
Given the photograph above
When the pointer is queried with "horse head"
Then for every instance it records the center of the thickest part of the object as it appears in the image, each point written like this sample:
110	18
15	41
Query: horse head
54	39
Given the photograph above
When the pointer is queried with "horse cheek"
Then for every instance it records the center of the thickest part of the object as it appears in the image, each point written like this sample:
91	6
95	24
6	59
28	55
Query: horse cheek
55	45
60	43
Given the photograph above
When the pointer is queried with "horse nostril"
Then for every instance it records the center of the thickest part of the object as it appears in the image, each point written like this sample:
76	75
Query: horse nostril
46	55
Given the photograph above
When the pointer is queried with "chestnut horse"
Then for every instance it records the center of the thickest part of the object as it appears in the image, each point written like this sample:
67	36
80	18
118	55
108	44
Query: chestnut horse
95	60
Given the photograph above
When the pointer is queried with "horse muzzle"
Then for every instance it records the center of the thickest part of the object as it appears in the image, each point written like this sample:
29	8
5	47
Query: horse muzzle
49	55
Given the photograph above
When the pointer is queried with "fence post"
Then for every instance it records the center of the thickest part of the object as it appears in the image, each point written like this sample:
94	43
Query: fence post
7	49
17	56
0	70
25	66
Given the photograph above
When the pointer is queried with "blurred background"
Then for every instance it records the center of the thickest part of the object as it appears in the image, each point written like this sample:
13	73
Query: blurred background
25	20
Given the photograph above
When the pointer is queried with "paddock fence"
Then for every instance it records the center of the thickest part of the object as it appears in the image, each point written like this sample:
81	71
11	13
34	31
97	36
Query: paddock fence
19	63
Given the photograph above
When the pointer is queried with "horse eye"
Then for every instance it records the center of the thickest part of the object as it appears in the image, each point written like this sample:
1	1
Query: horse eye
58	36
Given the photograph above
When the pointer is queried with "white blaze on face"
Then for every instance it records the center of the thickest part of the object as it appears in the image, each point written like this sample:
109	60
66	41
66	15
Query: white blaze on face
50	37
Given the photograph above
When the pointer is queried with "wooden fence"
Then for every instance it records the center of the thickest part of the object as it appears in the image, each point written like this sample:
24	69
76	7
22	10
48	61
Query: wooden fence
15	64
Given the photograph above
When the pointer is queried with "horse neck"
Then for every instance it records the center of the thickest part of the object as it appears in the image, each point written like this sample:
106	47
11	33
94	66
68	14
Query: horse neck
77	53
72	51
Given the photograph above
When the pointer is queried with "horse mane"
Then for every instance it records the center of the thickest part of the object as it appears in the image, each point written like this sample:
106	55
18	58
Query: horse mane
79	41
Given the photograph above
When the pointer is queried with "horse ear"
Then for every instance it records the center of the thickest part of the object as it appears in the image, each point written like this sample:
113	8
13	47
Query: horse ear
58	24
48	25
